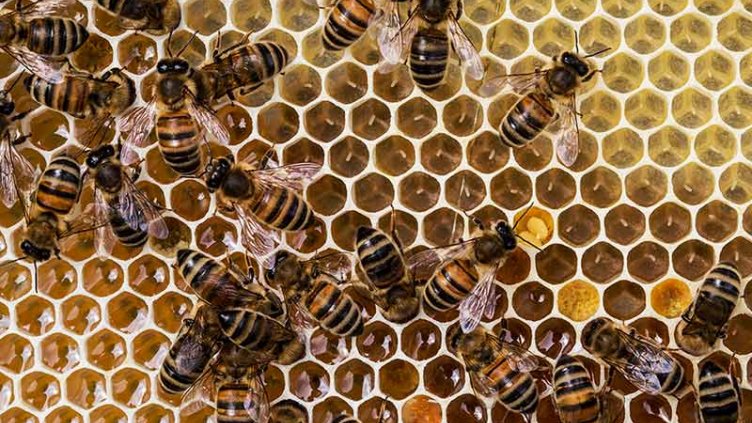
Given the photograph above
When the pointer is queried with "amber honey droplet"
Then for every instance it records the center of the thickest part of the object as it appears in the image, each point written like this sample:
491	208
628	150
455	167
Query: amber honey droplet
421	409
102	277
86	388
35	315
398	379
328	348
309	381
649	408
154	413
444	376
533	301
60	352
81	314
17	353
354	379
170	309
107	414
131	387
106	349
370	411
378	342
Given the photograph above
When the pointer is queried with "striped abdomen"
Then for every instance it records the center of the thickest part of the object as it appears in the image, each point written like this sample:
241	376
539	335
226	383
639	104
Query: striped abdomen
231	404
333	308
526	119
429	55
719	294
249	66
451	283
670	381
211	281
71	95
719	397
281	208
177	134
55	36
517	391
127	235
184	364
380	258
59	186
248	329
347	22
574	393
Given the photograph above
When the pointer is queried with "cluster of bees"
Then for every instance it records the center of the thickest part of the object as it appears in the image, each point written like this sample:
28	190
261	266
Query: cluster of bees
242	325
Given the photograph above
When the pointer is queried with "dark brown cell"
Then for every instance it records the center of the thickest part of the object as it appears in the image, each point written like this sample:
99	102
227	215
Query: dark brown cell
309	381
578	225
466	408
465	190
303	151
650	409
624	300
624	224
511	189
444	376
739	252
443	227
190	200
354	379
670	222
394	155
212	233
398	379
346	82
300	85
419	191
378	342
557	263
486	153
693	259
535	155
647	261
370	411
602	262
327	195
555	188
716	221
325	121
601	187
420	340
532	301
373	192
416	118
329	409
278	123
406	226
652	328
440	154
739	338
328	348
462	116
344	227
393	86
348	157
516	331
646	185
371	119
555	337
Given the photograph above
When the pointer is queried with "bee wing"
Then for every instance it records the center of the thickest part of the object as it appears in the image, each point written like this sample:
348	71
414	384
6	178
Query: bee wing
17	176
649	361
139	212
202	392
257	402
48	7
397	48
387	26
520	358
479	302
465	50
423	264
206	118
568	138
104	238
519	83
335	264
137	123
293	176
47	69
258	239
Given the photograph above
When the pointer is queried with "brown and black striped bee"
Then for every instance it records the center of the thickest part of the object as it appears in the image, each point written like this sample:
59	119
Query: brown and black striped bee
222	287
313	295
121	211
388	281
266	199
157	17
705	320
348	20
17	175
719	397
424	37
643	363
39	39
497	368
197	342
244	67
548	95
258	333
179	112
575	397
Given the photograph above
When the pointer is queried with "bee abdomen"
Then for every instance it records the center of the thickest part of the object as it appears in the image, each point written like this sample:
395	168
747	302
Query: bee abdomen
127	235
247	329
283	209
429	54
59	185
231	404
69	96
453	281
526	120
381	260
522	395
346	23
172	381
723	282
178	142
335	310
673	380
55	36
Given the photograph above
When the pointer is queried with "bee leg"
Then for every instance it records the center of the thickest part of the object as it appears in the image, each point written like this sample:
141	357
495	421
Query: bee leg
22	139
363	290
19	116
234	46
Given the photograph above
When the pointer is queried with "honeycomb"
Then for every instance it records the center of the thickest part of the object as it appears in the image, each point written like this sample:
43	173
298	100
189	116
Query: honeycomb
661	191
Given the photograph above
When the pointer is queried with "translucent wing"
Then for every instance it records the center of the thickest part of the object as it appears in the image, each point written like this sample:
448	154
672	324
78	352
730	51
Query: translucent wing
258	239
465	50
43	67
387	27
479	302
206	118
256	401
482	384
202	392
299	316
48	7
396	49
336	264
137	123
568	138
17	176
519	83
293	176
423	264
643	364
104	238
521	359
139	212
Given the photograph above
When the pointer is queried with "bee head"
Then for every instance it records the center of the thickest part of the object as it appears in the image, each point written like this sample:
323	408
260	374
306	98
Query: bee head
600	337
99	155
173	65
506	233
216	171
109	177
574	62
35	252
285	268
7	106
237	184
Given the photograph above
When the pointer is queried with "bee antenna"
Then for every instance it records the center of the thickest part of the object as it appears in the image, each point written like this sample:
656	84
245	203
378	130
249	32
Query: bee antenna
185	46
36	278
383	408
603	50
169	43
576	42
5	263
528	243
527	210
15	81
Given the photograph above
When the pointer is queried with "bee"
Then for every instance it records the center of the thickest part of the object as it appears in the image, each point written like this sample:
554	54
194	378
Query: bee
121	211
288	411
348	20
497	368
575	396
157	17
312	293
705	320
424	37
265	198
179	113
389	283
465	272
547	96
244	66
196	344
17	175
646	365
264	336
224	288
720	400
38	39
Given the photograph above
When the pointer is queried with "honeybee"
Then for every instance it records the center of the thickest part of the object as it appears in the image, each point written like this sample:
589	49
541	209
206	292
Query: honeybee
265	337
121	211
234	384
179	112
548	95
157	17
17	175
497	368
388	281
38	39
224	288
646	365
265	198
575	396
705	320
424	37
288	411
348	20
312	293
196	344
720	400
465	272
244	67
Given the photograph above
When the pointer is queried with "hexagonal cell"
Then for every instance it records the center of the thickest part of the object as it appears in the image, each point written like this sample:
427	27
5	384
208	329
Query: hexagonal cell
278	123
373	192
18	415
530	11
416	118
85	388
734	107
602	262
81	314
462	116
419	191
649	408
691	32
354	379
511	189
646	109
739	338
378	342
347	82
149	348
624	300
371	119
148	275
398	379
63	414
327	348
536	155
348	157
190	200
325	121
670	222
251	15
647	261
213	233
127	313
645	33
553	36
668	71
737	251
108	414
443	227
394	85
297	16
646	185
668	146
40	390
394	155
693	183
598	34
60	352
170	310
130	387
578	225
652	328
327	195
716	221
532	301
578	300
16	353
138	52
600	111
300	85
444	376
555	337
693	259
106	350
94	56
205	16
15	282
329	409
623	73
465	190
623	148
35	315
102	277
715	145
309	381
670	298
556	263
715	70
154	413
508	39
734	33
691	108
600	187
51	129
344	227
